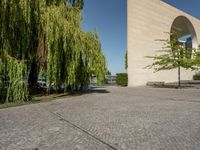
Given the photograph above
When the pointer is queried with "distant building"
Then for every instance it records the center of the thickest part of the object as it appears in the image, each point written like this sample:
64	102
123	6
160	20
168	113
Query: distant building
110	79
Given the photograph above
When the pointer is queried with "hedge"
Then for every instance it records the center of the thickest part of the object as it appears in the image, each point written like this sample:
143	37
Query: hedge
122	79
196	77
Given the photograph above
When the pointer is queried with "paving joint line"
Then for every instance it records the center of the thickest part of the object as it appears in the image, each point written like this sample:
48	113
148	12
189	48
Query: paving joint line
83	130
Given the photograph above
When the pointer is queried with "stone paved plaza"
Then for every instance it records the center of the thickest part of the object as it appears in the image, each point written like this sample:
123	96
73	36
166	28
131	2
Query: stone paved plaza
111	118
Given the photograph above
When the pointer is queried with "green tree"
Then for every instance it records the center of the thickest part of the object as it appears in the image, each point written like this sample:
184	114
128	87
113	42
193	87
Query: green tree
46	36
126	60
108	72
197	57
174	55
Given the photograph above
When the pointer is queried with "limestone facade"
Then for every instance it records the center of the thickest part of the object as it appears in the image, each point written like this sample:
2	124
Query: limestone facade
148	20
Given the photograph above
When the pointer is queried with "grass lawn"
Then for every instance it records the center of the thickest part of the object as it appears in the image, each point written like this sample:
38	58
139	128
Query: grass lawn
37	99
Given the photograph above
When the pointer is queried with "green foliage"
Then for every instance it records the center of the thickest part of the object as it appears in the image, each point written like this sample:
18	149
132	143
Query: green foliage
20	28
196	77
45	36
73	55
174	55
196	56
108	72
126	60
12	79
76	3
122	79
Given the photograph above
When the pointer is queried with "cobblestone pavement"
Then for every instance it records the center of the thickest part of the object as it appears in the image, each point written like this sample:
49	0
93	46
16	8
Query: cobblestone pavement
111	119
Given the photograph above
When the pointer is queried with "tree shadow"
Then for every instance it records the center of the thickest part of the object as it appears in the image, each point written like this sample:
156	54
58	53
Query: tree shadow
96	90
39	93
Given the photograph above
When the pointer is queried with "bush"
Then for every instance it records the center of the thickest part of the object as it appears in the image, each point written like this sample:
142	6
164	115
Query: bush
196	77
122	79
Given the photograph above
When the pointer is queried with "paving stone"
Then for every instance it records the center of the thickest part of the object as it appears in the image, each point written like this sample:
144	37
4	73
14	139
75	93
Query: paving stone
109	118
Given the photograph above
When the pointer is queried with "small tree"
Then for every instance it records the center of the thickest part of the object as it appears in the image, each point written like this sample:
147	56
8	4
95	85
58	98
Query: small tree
108	72
126	60
197	56
174	55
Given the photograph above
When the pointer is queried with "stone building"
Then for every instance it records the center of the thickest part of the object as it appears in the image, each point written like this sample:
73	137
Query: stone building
148	20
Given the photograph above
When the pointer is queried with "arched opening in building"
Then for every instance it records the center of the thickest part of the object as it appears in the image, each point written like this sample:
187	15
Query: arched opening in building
186	33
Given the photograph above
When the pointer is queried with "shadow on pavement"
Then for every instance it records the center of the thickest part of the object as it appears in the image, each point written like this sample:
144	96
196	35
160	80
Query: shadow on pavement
98	90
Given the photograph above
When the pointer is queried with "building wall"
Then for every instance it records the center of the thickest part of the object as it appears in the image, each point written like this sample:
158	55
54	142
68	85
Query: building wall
147	21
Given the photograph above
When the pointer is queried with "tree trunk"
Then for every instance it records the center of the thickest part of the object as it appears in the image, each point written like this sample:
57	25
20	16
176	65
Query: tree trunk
32	79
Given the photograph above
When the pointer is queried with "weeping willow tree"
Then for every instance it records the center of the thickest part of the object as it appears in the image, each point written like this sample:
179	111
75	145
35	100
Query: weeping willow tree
46	36
13	52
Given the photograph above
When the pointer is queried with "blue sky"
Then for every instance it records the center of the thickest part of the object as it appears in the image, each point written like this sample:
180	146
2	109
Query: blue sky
190	6
109	18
